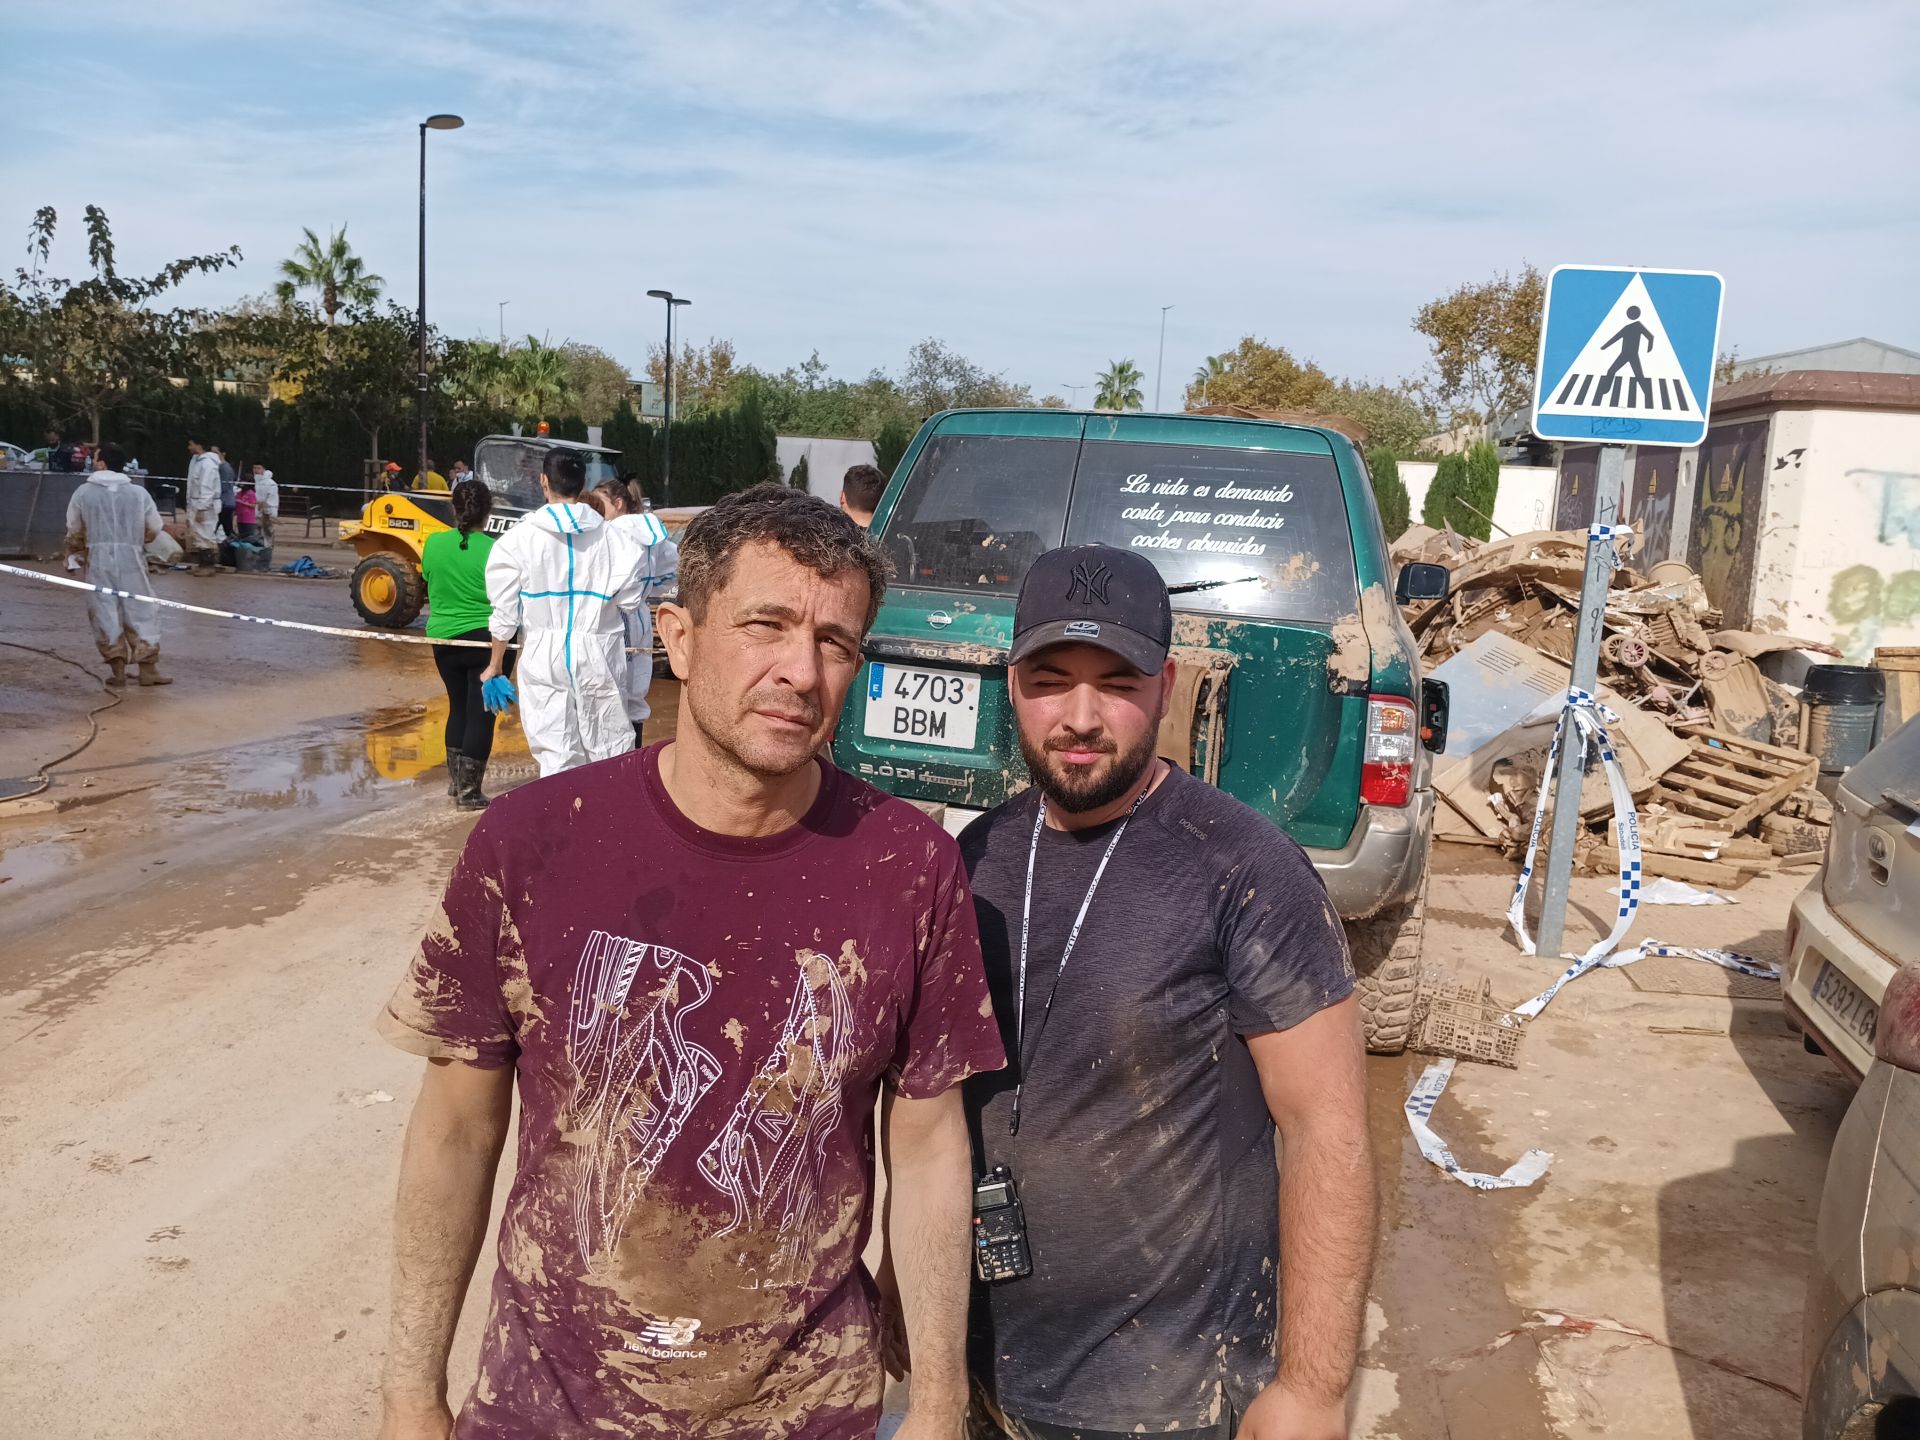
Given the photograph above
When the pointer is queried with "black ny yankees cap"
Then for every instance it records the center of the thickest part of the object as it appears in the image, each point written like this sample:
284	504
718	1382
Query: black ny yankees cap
1095	595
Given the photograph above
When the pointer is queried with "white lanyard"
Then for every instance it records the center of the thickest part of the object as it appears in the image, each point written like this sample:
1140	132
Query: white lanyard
1073	936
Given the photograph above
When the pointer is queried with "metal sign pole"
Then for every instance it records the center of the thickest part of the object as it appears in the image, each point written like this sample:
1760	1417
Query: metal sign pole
1569	779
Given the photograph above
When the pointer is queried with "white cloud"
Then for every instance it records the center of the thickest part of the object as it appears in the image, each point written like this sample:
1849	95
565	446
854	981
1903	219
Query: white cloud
1029	181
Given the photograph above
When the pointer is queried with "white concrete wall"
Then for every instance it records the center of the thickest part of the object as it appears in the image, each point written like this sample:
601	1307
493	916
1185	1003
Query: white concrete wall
827	461
1838	555
1525	500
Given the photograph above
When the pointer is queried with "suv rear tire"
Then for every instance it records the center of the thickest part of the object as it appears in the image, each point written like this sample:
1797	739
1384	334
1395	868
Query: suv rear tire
1386	962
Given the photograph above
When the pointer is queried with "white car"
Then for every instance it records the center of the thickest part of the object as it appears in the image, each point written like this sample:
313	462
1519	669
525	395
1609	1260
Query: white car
1853	986
12	457
1858	922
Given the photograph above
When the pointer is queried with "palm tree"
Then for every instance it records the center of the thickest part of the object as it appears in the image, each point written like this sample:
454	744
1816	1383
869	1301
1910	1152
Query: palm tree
1119	387
338	275
540	379
1211	369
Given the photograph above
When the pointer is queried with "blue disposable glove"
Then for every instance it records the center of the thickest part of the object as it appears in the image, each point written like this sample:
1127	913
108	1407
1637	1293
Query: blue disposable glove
498	693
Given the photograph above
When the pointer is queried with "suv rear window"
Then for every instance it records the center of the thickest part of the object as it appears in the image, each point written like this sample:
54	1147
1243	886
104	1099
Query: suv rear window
979	510
1272	525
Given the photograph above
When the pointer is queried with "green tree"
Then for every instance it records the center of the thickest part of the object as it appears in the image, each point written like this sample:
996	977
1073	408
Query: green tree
597	381
1449	485
539	380
85	348
1389	492
937	377
797	478
1207	375
1118	387
890	445
478	375
364	370
1485	340
331	270
1393	417
1262	377
1481	490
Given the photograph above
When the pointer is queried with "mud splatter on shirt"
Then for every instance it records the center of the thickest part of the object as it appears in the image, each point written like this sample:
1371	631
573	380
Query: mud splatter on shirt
700	1025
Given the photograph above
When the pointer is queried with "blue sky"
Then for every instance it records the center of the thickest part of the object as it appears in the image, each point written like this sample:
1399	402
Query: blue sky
1030	182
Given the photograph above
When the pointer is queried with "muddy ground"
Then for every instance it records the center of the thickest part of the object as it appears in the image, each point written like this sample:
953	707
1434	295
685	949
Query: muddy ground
200	1131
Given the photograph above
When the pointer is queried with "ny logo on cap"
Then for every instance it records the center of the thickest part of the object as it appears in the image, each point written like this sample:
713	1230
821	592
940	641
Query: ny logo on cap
1089	583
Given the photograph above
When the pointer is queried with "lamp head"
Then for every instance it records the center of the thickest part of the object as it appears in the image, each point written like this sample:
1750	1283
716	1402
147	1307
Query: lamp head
443	122
661	294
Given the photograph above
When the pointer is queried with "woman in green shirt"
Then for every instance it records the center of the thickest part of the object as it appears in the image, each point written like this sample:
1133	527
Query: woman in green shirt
455	565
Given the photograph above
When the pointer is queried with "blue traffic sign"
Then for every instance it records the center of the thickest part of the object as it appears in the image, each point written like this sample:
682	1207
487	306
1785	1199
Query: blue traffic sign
1626	356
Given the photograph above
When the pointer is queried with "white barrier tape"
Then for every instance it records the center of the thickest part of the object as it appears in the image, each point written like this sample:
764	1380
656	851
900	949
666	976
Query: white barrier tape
1432	1083
339	630
1419	1107
1726	959
1585	717
1608	532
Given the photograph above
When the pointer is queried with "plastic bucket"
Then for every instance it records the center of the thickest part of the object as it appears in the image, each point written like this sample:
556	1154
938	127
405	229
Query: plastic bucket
1843	711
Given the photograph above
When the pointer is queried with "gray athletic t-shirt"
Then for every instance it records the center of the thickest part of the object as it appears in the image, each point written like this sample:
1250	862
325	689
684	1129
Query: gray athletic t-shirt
1145	1158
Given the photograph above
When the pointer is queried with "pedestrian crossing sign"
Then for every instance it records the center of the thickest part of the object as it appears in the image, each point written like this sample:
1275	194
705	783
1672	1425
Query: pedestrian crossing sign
1627	356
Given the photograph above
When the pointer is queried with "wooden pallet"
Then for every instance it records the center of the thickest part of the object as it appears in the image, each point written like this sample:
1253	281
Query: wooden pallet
1730	782
1901	665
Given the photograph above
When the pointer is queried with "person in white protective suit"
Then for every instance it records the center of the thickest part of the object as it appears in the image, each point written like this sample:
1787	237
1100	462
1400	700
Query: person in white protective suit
566	581
659	570
109	522
203	505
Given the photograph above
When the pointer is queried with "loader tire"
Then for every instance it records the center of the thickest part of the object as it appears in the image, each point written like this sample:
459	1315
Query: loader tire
388	591
1386	964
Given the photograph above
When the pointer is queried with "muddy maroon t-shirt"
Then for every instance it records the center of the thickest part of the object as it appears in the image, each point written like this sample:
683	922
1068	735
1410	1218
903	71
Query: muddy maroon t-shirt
700	1024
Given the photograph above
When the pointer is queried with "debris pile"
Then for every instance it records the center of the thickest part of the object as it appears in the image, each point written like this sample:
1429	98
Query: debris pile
1709	739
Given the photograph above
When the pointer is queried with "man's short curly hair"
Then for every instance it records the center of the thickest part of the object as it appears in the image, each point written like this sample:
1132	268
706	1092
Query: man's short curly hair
817	535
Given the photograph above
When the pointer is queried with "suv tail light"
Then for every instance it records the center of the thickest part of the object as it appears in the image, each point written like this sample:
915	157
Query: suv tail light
1386	770
1896	1038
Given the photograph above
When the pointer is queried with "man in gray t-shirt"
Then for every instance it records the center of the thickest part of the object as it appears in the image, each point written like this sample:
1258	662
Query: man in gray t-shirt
1186	987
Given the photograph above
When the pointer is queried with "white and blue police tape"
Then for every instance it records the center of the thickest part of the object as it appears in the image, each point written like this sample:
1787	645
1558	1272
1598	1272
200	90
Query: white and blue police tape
388	636
1426	1094
1583	718
1725	959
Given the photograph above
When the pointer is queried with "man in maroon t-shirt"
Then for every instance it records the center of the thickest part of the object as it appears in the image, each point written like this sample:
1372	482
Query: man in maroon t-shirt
701	961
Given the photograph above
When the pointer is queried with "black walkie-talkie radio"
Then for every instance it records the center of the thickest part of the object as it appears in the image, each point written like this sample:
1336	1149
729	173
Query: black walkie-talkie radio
999	1228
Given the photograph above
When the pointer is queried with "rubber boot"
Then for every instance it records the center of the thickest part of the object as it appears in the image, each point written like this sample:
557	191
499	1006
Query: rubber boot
150	673
203	562
454	757
472	772
117	665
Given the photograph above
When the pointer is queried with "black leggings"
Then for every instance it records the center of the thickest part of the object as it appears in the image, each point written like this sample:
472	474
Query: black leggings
469	722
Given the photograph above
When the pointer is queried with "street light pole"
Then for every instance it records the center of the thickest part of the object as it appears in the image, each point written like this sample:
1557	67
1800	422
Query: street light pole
666	425
1160	364
1073	393
503	320
432	122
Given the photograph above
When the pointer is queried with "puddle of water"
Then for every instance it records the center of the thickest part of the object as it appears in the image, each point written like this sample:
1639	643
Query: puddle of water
318	770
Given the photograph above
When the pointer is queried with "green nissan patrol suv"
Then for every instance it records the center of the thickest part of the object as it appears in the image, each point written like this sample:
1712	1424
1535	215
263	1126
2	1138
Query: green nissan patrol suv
1298	686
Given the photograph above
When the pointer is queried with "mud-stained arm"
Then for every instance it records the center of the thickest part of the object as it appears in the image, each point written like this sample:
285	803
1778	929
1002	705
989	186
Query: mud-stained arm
1314	1079
454	1139
930	1211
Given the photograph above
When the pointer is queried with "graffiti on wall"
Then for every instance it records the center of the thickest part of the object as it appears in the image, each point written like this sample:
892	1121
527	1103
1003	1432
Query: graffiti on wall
1899	505
1727	500
1864	605
1650	501
1869	605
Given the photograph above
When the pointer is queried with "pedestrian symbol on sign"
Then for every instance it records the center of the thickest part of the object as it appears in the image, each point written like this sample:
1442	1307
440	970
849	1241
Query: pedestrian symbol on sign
1627	356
